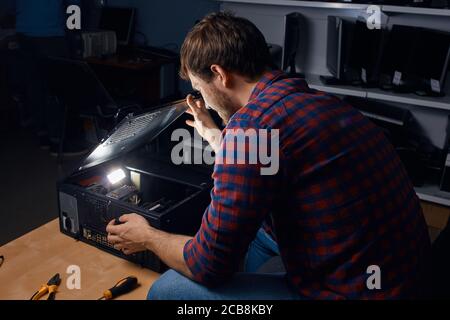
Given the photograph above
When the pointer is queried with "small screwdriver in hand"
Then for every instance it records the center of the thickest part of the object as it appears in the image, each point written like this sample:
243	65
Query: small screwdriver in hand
122	287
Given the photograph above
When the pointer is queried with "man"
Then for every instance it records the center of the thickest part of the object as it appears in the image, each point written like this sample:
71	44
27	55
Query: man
340	204
41	29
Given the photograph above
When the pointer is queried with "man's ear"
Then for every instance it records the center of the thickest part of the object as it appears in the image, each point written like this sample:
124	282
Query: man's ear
221	75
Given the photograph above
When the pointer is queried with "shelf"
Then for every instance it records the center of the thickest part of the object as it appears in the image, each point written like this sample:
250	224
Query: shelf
305	4
432	193
442	103
344	5
416	10
316	83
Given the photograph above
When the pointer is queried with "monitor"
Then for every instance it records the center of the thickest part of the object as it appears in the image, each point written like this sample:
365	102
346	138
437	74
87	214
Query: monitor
430	60
366	51
396	58
119	20
339	47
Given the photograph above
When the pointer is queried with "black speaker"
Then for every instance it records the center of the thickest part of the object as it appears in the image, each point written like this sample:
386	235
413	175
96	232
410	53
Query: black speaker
292	31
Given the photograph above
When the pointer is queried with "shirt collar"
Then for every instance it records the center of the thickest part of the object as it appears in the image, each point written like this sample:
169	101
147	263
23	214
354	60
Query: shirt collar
267	78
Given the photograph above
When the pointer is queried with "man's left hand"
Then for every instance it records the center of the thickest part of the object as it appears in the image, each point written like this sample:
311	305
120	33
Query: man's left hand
131	236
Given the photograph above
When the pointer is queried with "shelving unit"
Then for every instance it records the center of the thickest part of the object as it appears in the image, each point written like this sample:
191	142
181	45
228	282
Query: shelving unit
316	83
428	192
315	13
347	6
304	4
416	10
432	193
442	103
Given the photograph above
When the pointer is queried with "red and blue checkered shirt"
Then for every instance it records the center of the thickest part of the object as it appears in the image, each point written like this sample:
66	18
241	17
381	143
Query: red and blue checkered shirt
340	202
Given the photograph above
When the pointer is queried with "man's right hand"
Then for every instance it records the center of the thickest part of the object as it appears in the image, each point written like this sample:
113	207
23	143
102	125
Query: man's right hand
203	122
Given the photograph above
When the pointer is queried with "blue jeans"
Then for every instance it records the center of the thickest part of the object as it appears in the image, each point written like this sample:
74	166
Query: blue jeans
248	285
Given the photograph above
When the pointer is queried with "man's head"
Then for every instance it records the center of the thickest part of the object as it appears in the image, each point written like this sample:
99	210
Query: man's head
222	56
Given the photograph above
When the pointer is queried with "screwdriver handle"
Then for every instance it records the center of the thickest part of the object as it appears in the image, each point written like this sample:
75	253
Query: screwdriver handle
122	287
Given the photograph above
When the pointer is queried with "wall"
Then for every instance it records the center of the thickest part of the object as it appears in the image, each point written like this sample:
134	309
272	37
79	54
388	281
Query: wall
166	22
6	7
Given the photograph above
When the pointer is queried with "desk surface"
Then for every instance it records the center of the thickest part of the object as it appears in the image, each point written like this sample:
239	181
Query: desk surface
34	258
129	62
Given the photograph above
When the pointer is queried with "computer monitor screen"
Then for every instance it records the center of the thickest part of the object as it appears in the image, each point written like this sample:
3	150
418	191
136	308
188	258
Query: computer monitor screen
120	20
339	44
398	50
431	57
366	51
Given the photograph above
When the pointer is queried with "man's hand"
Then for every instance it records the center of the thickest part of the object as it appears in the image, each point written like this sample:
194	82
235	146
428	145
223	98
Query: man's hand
131	236
136	235
203	122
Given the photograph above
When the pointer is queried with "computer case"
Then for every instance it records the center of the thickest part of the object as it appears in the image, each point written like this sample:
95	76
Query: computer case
131	172
339	47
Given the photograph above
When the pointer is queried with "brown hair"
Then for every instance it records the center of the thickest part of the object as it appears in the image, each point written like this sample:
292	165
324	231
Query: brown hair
232	42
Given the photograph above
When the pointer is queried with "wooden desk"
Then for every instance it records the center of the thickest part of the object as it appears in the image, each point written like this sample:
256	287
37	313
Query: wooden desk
34	258
129	63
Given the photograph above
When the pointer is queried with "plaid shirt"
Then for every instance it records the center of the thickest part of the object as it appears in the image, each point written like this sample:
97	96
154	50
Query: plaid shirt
340	202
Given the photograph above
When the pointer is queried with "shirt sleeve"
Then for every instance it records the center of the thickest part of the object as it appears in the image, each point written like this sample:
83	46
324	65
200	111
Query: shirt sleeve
241	199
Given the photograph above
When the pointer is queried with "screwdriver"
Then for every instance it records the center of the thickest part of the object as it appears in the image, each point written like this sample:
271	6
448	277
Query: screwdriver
122	287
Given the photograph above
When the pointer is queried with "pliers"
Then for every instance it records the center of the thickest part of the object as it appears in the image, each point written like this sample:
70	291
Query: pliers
51	287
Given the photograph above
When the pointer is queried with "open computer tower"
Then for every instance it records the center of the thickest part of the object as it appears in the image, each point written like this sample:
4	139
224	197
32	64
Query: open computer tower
131	172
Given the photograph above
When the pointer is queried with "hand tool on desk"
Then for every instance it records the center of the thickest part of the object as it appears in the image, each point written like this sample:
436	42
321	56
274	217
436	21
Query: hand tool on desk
122	287
51	287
